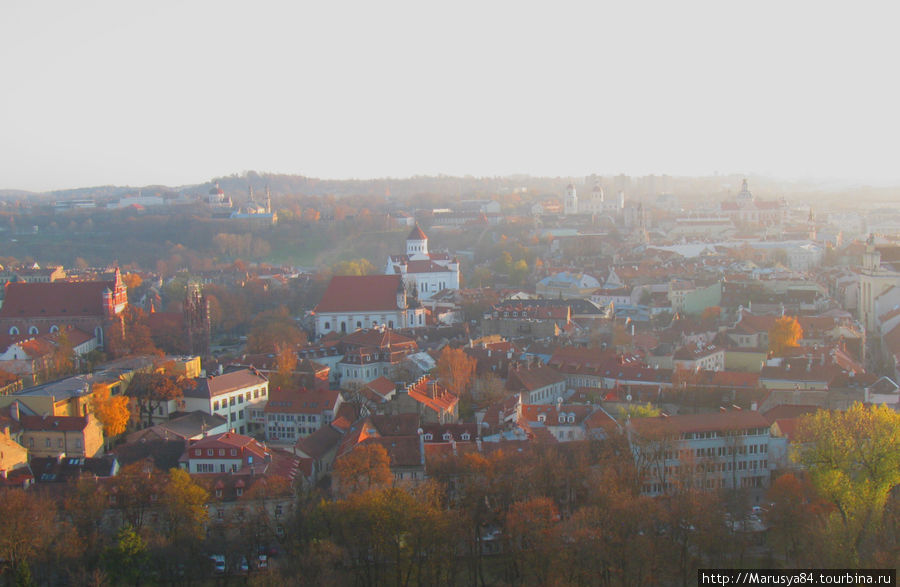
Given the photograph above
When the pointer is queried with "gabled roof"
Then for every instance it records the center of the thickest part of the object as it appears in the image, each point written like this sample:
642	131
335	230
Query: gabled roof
54	299
361	293
54	423
530	379
416	234
216	385
301	401
715	422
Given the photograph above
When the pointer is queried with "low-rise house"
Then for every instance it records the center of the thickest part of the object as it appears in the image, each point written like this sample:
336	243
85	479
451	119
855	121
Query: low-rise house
230	395
428	399
12	455
564	422
695	357
190	426
295	413
226	453
537	384
400	437
55	436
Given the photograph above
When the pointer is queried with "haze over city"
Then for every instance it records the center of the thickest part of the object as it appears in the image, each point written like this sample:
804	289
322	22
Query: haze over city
173	93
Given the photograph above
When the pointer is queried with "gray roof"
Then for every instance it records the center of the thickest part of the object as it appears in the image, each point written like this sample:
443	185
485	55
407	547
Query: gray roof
213	386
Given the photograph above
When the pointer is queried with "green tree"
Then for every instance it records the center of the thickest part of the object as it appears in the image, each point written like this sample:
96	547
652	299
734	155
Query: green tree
125	561
853	461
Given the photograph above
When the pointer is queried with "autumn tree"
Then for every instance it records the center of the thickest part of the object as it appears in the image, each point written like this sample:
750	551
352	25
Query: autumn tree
150	391
129	334
853	461
784	335
456	370
184	513
272	329
285	365
112	411
365	467
647	410
531	540
28	528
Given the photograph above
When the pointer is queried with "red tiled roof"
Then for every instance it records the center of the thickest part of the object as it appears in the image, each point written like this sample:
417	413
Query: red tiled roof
730	420
382	386
54	423
442	401
361	293
301	401
56	299
530	379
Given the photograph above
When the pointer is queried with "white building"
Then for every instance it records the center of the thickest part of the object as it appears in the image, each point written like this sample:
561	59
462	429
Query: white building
704	451
354	302
230	395
428	272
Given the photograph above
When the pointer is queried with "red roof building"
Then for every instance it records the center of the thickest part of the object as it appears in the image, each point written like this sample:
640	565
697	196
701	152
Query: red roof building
41	308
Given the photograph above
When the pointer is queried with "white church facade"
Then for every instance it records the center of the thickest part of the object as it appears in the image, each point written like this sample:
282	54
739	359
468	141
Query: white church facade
427	272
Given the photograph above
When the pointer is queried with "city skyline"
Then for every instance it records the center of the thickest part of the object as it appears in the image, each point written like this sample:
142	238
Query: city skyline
174	94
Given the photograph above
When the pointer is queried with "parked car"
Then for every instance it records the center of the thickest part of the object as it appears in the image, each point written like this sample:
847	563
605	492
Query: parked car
218	563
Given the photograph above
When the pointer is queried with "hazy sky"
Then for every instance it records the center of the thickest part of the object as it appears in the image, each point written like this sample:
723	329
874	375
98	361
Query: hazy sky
176	93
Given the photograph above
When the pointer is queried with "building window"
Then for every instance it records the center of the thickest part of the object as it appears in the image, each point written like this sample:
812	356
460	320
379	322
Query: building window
215	405
54	328
32	330
231	401
14	330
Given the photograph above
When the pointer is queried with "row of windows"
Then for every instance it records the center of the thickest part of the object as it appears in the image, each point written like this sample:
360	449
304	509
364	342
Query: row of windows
717	467
33	330
256	394
48	443
211	468
447	437
212	452
292	418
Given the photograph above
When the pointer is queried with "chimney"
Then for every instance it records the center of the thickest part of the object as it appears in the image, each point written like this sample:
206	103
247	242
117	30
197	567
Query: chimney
754	406
221	368
14	411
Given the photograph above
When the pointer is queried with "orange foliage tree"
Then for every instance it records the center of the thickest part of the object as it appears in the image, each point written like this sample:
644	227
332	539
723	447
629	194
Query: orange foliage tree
456	370
365	467
784	335
112	411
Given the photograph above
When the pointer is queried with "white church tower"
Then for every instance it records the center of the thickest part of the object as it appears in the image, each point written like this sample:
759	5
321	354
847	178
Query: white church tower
417	244
571	202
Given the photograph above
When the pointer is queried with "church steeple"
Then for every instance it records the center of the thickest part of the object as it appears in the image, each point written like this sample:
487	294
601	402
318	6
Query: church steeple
417	242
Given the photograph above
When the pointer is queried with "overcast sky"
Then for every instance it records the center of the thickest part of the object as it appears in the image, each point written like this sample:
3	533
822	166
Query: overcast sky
161	92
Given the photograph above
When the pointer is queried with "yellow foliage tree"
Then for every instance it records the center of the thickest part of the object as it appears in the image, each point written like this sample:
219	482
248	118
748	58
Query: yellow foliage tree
784	335
853	459
112	411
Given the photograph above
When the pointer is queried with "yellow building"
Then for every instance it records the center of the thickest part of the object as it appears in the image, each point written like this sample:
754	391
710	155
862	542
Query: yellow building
68	436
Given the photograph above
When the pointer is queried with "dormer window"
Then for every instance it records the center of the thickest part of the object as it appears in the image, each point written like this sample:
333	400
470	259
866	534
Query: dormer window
447	437
465	436
239	491
429	436
542	418
571	419
562	418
